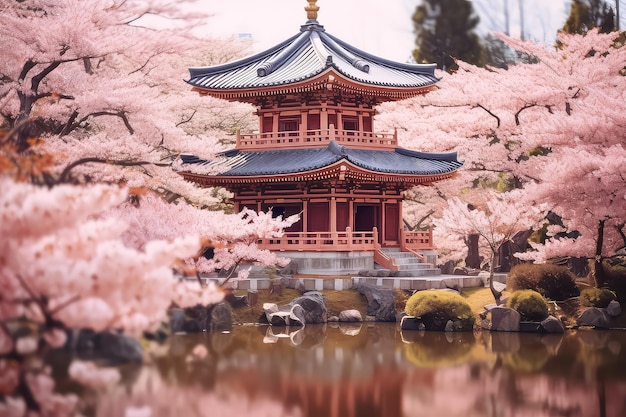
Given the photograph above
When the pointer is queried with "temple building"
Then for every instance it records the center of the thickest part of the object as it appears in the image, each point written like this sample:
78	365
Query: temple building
317	152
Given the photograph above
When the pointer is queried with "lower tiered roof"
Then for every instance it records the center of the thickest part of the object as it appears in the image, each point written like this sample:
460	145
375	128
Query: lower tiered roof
300	164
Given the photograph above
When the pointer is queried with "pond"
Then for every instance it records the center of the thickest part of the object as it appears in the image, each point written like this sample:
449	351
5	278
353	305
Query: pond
374	370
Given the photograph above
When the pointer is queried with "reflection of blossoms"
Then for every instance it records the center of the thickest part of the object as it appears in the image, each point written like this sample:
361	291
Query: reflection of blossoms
152	397
92	376
51	404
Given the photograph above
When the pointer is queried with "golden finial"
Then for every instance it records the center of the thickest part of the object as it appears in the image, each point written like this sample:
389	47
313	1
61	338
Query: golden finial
311	10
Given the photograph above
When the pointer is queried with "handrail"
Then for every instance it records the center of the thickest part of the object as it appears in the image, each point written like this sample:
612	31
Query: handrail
418	255
382	259
308	138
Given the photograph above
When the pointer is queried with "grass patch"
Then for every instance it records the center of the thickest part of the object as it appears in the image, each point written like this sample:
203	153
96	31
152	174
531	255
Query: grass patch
478	298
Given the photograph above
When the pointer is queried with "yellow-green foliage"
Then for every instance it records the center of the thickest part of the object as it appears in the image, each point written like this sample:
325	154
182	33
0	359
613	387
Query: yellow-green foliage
554	282
437	307
529	304
596	297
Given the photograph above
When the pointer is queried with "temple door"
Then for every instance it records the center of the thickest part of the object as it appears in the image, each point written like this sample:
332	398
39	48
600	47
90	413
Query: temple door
366	217
392	225
318	219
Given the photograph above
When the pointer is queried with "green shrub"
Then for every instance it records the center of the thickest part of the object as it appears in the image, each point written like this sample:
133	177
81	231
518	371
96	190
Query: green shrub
529	304
596	297
615	274
437	307
554	282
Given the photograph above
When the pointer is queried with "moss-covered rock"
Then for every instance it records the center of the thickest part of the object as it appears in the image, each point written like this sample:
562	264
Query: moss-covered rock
436	308
596	297
529	304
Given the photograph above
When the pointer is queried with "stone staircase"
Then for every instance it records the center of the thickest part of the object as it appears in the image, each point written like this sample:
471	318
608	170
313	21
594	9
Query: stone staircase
410	265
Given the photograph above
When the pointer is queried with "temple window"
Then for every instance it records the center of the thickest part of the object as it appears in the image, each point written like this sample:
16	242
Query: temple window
289	125
350	123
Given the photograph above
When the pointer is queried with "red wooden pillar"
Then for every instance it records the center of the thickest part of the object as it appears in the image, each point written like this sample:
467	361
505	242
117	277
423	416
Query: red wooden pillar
333	214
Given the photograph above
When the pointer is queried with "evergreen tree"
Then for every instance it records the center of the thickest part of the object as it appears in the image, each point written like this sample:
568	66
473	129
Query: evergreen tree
588	14
444	31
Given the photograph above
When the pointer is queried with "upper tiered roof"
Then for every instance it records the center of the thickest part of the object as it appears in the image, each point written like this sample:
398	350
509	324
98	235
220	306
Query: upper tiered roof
313	59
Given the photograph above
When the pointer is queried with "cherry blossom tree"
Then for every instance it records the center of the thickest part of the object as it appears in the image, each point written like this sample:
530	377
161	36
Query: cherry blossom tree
496	223
96	110
553	126
107	93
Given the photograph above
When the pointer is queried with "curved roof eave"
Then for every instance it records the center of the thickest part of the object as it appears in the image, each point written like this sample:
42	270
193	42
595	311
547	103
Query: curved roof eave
199	71
304	56
318	80
342	167
429	69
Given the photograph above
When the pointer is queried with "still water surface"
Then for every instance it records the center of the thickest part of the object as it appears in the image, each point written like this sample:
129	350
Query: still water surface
375	370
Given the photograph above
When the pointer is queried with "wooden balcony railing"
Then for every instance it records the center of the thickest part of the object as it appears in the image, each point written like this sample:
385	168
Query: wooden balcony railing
298	139
322	241
416	240
344	241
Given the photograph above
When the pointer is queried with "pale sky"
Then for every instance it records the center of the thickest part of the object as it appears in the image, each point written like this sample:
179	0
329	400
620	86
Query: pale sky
381	27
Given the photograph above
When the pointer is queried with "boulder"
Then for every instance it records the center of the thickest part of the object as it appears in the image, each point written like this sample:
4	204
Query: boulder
177	320
115	348
552	325
350	315
453	326
279	318
269	309
498	286
411	323
614	309
593	316
504	319
297	316
196	319
314	307
381	302
221	317
485	324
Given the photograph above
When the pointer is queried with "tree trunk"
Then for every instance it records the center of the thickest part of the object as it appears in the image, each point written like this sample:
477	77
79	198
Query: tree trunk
473	257
496	294
598	270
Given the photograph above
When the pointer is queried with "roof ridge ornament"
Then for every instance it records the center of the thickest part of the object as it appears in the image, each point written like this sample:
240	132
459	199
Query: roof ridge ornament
311	10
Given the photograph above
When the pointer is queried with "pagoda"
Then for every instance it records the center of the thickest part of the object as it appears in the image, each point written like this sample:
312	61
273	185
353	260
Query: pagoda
317	153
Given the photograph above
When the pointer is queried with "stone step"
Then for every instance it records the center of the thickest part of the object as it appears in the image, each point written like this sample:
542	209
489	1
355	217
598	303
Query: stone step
415	267
407	261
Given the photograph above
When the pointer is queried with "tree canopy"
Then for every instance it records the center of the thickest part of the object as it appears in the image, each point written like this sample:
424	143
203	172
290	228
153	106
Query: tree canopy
445	31
585	15
553	127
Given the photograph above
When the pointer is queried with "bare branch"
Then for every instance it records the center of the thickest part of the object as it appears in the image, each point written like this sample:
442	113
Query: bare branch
121	114
488	112
187	120
527	106
82	161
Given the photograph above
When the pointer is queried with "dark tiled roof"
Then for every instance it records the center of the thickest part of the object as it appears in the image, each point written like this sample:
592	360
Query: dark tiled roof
306	55
281	162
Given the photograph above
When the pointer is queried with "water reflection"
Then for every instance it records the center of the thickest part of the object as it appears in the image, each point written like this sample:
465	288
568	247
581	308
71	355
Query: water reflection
374	370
